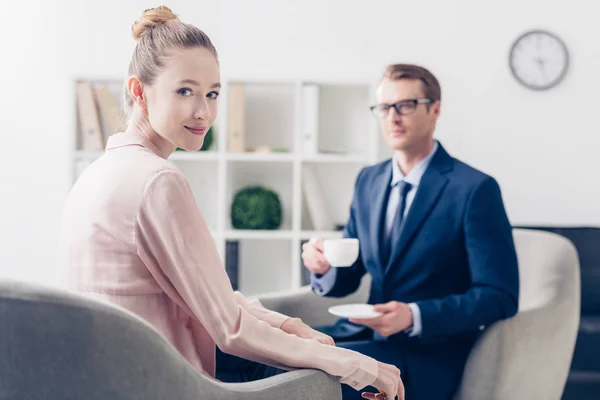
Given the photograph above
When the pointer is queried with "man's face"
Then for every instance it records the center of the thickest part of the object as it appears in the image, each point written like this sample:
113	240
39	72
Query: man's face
413	131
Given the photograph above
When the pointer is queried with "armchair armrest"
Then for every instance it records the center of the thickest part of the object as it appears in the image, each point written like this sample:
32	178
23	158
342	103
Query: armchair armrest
295	385
308	306
518	355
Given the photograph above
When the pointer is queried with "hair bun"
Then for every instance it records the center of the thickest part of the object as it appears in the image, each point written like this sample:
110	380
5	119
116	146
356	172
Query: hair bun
152	17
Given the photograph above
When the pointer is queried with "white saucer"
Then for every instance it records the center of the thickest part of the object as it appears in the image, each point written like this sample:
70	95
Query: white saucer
363	311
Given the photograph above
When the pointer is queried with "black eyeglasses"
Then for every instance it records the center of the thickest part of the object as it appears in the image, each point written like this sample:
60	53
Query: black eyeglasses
403	107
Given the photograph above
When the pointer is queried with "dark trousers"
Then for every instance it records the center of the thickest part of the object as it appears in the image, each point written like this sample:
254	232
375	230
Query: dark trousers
233	369
427	373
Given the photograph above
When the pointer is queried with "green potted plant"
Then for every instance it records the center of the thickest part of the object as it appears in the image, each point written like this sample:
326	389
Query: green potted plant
256	207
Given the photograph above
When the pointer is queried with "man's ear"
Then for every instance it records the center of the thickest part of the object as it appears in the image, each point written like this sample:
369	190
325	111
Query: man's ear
436	108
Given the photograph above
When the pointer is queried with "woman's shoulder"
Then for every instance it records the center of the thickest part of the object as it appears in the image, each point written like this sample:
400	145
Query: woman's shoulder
165	174
148	164
160	166
138	169
161	174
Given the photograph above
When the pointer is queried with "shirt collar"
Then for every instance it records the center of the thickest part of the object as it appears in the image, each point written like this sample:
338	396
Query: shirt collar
131	139
415	174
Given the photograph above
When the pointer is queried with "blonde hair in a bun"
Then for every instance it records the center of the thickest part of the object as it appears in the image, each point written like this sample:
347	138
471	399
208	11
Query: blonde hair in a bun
150	18
156	32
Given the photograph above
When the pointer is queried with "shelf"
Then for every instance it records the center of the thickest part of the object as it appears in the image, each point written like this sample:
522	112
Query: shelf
344	118
176	156
337	158
274	176
269	116
262	266
334	188
257	234
305	235
274	118
194	156
252	157
278	234
280	157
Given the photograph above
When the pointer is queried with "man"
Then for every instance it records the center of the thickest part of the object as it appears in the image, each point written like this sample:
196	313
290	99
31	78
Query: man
434	236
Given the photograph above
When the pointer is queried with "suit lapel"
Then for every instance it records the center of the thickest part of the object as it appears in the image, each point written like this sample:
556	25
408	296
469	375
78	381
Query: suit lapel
381	185
430	188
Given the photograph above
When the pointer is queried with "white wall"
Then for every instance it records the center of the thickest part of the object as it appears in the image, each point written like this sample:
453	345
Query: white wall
540	146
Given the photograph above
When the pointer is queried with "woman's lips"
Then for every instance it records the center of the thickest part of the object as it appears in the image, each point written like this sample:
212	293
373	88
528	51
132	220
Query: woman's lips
197	130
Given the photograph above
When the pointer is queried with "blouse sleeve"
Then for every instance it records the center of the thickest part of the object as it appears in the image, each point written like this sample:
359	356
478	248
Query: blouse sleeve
175	244
256	309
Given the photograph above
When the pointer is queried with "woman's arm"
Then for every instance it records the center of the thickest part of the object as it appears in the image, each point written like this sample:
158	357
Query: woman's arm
175	244
256	309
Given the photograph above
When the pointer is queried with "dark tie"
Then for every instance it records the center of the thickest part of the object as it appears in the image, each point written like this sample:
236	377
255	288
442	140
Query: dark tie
394	237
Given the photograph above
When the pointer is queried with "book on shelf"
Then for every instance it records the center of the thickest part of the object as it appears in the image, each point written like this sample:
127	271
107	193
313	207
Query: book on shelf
91	137
232	256
304	272
267	150
310	122
109	110
236	118
320	217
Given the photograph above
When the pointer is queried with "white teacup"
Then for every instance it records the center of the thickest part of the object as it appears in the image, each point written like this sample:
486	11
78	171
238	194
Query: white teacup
341	252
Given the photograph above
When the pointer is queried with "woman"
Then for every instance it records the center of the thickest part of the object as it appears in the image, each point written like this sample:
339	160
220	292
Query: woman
133	235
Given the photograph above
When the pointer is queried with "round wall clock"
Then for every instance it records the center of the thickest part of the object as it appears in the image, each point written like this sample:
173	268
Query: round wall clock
539	60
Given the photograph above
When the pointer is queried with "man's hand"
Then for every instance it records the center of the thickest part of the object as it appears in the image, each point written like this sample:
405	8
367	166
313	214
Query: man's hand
295	326
396	317
312	255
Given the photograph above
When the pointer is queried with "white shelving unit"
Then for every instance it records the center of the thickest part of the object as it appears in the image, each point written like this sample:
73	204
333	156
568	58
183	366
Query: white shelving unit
348	140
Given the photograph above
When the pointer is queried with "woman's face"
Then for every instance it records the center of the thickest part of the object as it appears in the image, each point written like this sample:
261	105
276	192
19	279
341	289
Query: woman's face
182	102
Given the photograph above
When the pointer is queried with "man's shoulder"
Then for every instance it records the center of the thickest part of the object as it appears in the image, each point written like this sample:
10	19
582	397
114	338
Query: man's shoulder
374	170
465	180
468	174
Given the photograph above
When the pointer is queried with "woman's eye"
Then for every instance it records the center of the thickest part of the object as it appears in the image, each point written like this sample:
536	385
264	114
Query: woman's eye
213	95
185	92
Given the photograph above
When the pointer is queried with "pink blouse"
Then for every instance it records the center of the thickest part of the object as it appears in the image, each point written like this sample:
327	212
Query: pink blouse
134	236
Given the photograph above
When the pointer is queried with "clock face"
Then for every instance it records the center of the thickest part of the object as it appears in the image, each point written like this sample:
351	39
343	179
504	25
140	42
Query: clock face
539	60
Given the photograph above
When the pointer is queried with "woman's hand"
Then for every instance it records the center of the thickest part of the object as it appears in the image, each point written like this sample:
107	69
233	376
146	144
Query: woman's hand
295	326
388	382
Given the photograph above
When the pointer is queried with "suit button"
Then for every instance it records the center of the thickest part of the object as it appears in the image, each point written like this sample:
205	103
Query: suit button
481	327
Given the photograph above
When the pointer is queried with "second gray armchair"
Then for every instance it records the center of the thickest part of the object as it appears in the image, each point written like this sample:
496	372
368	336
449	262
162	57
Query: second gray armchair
523	358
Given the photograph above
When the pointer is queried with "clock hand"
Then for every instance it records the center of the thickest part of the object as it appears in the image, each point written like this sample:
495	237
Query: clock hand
540	62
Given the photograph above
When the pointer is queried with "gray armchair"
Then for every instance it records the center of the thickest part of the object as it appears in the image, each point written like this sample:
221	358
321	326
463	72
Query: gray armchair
58	345
522	358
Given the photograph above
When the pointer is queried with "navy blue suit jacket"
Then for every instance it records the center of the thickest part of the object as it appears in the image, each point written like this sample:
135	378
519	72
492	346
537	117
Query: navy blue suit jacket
455	257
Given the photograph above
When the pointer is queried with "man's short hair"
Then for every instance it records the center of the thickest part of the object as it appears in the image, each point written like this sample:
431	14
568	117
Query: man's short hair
431	85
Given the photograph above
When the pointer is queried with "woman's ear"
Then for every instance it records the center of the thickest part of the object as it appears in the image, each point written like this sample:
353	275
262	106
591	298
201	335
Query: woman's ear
136	90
